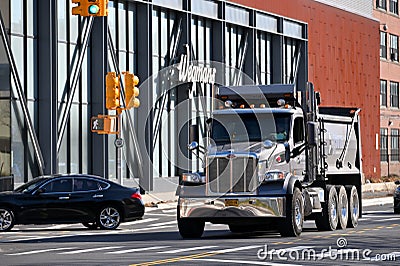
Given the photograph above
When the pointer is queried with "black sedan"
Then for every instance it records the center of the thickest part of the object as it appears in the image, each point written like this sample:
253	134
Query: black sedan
396	198
93	201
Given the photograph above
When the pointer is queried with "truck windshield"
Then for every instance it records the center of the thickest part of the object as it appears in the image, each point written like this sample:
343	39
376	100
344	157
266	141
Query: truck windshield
229	128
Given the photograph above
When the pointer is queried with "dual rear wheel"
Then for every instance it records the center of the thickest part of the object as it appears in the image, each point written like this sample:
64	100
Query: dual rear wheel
341	209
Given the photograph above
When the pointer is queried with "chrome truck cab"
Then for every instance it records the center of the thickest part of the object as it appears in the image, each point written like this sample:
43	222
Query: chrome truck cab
254	162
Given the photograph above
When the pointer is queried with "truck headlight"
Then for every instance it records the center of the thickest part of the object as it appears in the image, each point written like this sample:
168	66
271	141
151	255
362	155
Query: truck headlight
193	178
274	175
261	168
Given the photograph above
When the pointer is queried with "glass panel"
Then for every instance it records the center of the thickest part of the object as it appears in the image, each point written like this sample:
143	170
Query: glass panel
17	144
17	16
292	29
131	28
266	22
237	15
205	8
169	3
85	139
30	17
75	136
31	74
17	46
62	70
121	27
62	19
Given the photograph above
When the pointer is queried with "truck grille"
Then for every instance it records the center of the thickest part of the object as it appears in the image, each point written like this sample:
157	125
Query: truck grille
227	175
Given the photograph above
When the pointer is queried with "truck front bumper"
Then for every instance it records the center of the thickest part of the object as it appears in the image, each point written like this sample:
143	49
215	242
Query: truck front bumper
231	207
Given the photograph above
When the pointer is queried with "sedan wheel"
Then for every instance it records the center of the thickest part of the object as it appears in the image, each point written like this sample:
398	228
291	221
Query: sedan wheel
109	218
6	220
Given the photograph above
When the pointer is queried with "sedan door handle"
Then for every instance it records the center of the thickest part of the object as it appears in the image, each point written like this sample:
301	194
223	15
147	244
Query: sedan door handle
97	196
63	198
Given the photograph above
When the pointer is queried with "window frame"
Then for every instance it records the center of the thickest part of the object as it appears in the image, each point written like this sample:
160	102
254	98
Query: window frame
383	97
383	46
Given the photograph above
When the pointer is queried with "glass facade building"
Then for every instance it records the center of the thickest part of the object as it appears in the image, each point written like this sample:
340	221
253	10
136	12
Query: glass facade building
146	36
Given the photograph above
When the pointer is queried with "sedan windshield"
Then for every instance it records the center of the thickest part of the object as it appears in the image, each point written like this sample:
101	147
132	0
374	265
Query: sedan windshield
230	128
31	185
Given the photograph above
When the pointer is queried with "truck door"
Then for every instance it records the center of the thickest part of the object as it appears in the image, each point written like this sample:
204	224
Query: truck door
298	160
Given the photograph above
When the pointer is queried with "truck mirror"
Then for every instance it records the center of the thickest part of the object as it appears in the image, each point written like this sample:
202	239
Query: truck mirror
312	136
287	152
193	145
397	182
193	133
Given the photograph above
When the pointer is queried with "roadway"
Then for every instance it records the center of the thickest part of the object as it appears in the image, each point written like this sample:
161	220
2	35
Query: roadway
154	240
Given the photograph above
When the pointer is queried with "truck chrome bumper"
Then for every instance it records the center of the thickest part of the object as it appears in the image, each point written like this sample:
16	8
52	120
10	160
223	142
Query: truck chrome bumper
229	207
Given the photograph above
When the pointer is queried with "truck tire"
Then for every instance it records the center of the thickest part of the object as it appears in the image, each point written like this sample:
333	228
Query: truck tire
354	206
190	228
328	219
343	207
293	223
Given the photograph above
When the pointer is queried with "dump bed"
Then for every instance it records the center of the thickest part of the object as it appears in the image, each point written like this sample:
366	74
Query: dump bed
341	135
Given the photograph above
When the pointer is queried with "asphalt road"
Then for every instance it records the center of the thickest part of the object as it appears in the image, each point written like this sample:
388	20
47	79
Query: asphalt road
155	240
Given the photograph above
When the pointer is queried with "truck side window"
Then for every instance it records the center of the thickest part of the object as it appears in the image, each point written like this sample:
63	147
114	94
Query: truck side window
298	130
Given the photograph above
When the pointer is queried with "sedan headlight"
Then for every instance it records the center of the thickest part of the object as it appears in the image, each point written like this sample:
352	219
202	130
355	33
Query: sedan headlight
193	178
274	175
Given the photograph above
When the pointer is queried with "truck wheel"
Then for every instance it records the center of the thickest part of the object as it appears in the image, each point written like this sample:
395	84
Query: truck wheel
190	228
354	206
293	223
328	219
343	207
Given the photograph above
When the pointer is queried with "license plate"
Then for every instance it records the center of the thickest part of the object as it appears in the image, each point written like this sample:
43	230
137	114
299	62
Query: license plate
232	202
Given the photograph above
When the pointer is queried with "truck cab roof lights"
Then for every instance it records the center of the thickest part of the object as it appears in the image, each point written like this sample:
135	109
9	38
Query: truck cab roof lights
252	106
262	105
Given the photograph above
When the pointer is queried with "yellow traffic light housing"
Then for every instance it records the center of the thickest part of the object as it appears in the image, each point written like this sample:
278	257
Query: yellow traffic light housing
131	91
86	8
112	91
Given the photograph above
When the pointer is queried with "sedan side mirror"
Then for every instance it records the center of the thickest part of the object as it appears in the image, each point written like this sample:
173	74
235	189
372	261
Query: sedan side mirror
397	182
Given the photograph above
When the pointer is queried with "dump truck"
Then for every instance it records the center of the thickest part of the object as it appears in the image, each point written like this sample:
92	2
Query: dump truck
272	161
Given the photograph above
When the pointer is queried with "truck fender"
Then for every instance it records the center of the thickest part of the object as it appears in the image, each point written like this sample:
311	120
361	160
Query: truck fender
291	183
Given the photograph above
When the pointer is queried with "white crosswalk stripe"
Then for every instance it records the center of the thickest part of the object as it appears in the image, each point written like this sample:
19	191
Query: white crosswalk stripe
136	250
38	251
141	221
79	251
186	249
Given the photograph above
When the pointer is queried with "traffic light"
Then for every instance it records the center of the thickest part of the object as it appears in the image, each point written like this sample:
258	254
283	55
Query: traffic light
104	124
131	91
112	91
86	8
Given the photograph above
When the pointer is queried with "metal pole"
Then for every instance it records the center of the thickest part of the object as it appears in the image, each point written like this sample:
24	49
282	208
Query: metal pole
21	95
388	158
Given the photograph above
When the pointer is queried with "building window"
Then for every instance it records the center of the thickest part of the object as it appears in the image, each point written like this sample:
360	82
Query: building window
394	94
381	4
394	48
394	145
394	6
384	145
384	93
383	51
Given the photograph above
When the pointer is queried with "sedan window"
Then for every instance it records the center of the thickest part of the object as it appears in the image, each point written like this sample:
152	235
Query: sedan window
82	184
60	185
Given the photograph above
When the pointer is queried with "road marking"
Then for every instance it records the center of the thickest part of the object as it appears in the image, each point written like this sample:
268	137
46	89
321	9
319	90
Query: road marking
169	211
136	250
160	224
288	250
34	238
54	227
87	250
387	219
244	262
38	251
186	249
160	214
195	256
141	221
